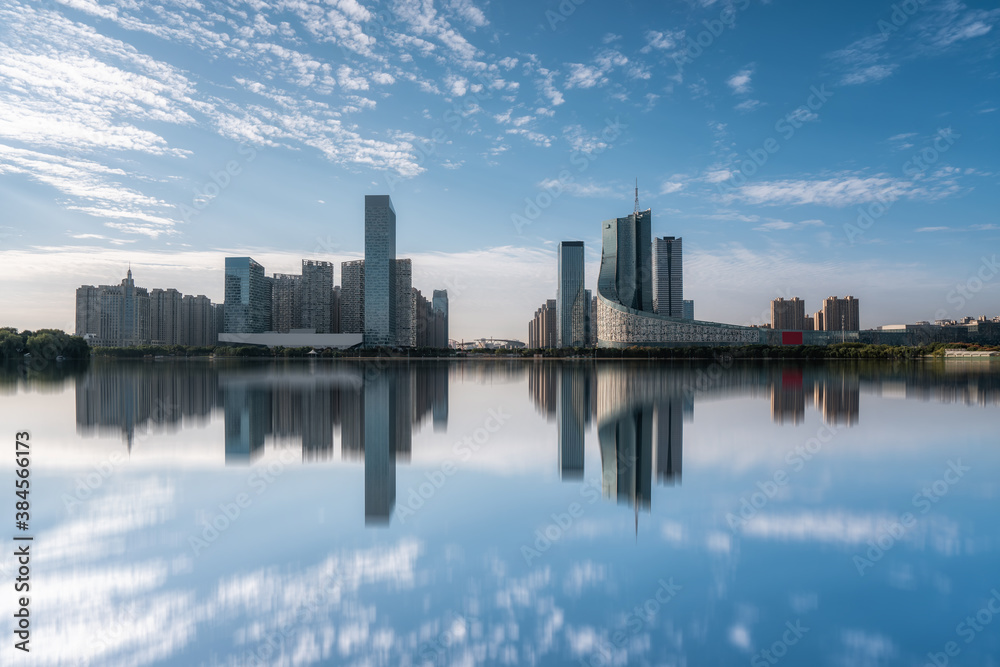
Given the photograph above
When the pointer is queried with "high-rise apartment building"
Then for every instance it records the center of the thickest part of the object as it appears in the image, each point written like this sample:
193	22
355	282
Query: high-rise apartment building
352	296
788	314
317	288
380	271
335	309
668	277
247	296
286	302
542	328
165	316
571	304
88	311
626	266
841	314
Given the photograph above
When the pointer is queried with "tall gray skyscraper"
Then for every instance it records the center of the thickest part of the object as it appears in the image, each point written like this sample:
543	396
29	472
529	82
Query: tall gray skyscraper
317	288
380	271
248	296
668	277
439	304
352	297
626	267
404	303
571	301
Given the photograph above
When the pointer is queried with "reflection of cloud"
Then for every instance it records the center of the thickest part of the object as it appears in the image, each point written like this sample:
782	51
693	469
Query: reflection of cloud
582	576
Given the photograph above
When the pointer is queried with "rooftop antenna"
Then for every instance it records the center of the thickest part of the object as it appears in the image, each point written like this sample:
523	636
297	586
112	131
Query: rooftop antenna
637	196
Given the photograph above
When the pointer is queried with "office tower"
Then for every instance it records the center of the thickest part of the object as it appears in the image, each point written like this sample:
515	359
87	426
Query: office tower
335	310
286	302
352	297
440	305
668	277
572	409
588	322
841	314
669	421
571	314
404	303
626	266
380	416
421	320
165	316
247	297
380	271
688	309
788	315
88	320
317	286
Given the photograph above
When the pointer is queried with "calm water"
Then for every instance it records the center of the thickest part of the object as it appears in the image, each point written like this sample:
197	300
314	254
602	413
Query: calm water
214	513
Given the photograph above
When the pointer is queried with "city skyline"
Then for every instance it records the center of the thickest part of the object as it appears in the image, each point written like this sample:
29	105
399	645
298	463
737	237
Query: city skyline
754	158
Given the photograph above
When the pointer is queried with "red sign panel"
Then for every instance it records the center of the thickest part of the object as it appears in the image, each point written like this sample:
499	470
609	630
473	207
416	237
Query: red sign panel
791	338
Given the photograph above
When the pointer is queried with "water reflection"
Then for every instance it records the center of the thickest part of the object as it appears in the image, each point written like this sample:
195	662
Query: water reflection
639	409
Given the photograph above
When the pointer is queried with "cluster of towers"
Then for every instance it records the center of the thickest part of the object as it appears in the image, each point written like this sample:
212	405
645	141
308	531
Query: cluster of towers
376	297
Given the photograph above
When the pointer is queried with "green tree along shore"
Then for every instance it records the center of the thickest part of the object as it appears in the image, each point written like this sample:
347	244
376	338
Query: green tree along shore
43	343
53	343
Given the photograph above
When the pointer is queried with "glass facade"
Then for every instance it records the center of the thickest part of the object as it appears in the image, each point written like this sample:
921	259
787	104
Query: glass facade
626	266
571	299
247	297
668	277
380	271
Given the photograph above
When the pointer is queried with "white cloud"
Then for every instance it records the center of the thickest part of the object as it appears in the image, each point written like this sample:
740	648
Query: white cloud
740	82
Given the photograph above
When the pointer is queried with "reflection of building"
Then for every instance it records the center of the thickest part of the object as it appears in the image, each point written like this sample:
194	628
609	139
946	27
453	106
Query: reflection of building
572	416
627	456
669	438
380	419
571	305
838	397
788	398
543	385
248	412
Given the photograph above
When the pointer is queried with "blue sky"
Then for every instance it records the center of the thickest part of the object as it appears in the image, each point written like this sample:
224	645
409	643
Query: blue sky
759	131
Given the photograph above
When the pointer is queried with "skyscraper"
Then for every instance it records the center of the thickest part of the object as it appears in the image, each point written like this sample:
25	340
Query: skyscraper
668	277
247	297
571	305
626	267
380	271
439	303
165	317
688	309
404	303
317	287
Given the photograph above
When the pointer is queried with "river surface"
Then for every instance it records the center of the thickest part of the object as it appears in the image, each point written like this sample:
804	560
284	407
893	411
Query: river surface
506	512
